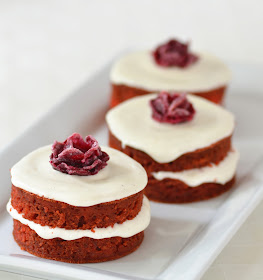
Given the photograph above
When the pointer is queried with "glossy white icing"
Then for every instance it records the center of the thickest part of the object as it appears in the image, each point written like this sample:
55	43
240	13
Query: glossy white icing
122	177
132	124
126	229
221	173
138	69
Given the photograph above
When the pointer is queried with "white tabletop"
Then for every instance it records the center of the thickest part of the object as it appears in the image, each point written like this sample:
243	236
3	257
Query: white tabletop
48	48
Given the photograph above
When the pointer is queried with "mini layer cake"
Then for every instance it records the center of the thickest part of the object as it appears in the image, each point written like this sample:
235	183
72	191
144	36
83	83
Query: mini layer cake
170	67
184	146
89	207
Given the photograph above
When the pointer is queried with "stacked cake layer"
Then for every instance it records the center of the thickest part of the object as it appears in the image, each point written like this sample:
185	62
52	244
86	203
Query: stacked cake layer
78	218
185	162
137	73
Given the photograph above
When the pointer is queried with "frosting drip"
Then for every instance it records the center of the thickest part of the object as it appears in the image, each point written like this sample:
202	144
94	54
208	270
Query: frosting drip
220	173
126	229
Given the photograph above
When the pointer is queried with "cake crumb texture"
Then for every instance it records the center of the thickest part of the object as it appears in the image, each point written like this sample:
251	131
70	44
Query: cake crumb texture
54	213
83	250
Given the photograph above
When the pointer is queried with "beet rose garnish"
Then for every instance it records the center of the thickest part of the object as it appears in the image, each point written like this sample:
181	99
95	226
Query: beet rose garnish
172	108
174	53
76	156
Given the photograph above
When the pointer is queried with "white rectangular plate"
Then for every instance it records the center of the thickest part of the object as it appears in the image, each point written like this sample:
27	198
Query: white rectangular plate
182	240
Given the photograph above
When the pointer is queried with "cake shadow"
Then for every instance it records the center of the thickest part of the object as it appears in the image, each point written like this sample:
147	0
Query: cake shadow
163	241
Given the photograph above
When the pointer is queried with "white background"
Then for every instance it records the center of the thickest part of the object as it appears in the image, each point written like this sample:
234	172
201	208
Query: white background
49	47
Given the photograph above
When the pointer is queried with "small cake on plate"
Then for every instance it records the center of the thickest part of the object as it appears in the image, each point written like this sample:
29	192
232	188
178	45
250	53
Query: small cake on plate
171	67
77	202
183	142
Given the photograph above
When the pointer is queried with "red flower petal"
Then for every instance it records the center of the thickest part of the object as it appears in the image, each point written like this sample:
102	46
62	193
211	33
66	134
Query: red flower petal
76	156
174	53
172	108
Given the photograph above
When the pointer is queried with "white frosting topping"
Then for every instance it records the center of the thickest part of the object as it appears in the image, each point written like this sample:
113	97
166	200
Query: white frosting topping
221	173
139	70
122	177
131	122
126	229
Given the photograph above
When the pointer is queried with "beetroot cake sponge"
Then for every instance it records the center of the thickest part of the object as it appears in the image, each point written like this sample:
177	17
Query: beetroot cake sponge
85	205
171	67
184	144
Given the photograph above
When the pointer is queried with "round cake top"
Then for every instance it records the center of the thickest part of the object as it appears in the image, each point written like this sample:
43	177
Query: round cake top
122	177
139	70
131	122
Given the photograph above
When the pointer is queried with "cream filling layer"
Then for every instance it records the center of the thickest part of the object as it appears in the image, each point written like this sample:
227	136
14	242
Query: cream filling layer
121	178
126	229
220	173
131	122
138	69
